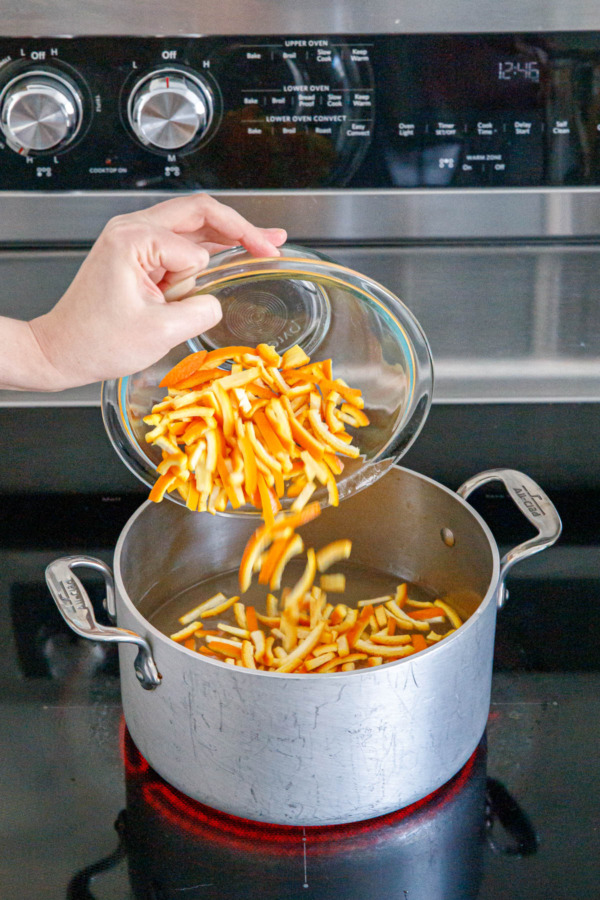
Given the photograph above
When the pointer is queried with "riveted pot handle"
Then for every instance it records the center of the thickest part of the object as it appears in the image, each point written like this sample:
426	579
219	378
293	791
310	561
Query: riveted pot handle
535	506
76	608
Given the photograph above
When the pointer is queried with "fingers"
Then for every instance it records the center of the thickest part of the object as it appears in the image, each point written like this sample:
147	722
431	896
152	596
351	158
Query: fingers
191	316
176	284
157	250
208	220
174	253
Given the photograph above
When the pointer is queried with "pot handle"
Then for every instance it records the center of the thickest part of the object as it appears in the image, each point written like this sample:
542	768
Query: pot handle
535	506
76	608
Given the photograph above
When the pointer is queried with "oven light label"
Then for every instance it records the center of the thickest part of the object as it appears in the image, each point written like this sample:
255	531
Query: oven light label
406	129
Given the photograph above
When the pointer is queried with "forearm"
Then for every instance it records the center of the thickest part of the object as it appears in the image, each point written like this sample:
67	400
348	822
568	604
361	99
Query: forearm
23	365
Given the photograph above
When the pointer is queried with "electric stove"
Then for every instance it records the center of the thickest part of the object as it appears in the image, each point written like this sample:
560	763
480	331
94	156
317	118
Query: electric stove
84	816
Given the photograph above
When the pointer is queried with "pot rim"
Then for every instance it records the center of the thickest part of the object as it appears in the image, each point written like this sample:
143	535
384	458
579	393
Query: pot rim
149	630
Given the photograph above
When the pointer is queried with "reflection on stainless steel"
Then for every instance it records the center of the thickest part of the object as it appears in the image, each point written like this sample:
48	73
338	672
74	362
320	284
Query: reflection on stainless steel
309	17
564	108
341	215
506	322
517	380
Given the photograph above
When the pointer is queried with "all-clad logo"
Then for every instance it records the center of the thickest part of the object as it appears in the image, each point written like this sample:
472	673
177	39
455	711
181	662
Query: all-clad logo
530	501
73	597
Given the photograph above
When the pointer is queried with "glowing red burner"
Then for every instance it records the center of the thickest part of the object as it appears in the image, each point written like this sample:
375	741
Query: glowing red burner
188	814
431	850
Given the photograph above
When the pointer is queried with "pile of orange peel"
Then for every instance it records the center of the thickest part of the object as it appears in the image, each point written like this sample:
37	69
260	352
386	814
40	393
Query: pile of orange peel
266	427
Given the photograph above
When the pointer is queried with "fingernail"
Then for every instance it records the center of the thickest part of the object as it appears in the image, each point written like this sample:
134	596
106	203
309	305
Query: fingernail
279	234
179	290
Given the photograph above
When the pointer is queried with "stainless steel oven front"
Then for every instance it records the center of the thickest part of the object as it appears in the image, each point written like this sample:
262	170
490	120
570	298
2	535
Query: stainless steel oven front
451	152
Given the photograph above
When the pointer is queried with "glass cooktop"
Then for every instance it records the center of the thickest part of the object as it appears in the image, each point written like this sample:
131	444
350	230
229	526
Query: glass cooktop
83	815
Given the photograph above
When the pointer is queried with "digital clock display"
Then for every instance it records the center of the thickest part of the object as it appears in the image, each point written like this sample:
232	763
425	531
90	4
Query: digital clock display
517	70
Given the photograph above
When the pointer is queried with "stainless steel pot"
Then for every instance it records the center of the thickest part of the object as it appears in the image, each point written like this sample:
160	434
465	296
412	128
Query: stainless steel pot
310	749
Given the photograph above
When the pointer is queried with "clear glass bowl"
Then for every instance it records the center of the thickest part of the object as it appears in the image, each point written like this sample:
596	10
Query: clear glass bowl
300	297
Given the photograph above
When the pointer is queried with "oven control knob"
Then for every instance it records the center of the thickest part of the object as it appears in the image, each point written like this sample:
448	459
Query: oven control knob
39	111
170	109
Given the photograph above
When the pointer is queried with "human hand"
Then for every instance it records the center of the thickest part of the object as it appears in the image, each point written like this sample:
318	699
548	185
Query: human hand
115	318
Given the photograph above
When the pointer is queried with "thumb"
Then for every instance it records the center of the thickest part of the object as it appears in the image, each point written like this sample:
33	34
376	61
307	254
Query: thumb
190	317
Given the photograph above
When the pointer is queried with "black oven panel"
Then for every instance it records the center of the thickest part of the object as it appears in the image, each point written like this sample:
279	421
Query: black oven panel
188	113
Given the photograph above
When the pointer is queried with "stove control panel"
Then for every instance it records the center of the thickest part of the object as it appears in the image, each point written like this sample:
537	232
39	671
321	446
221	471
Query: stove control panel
285	112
